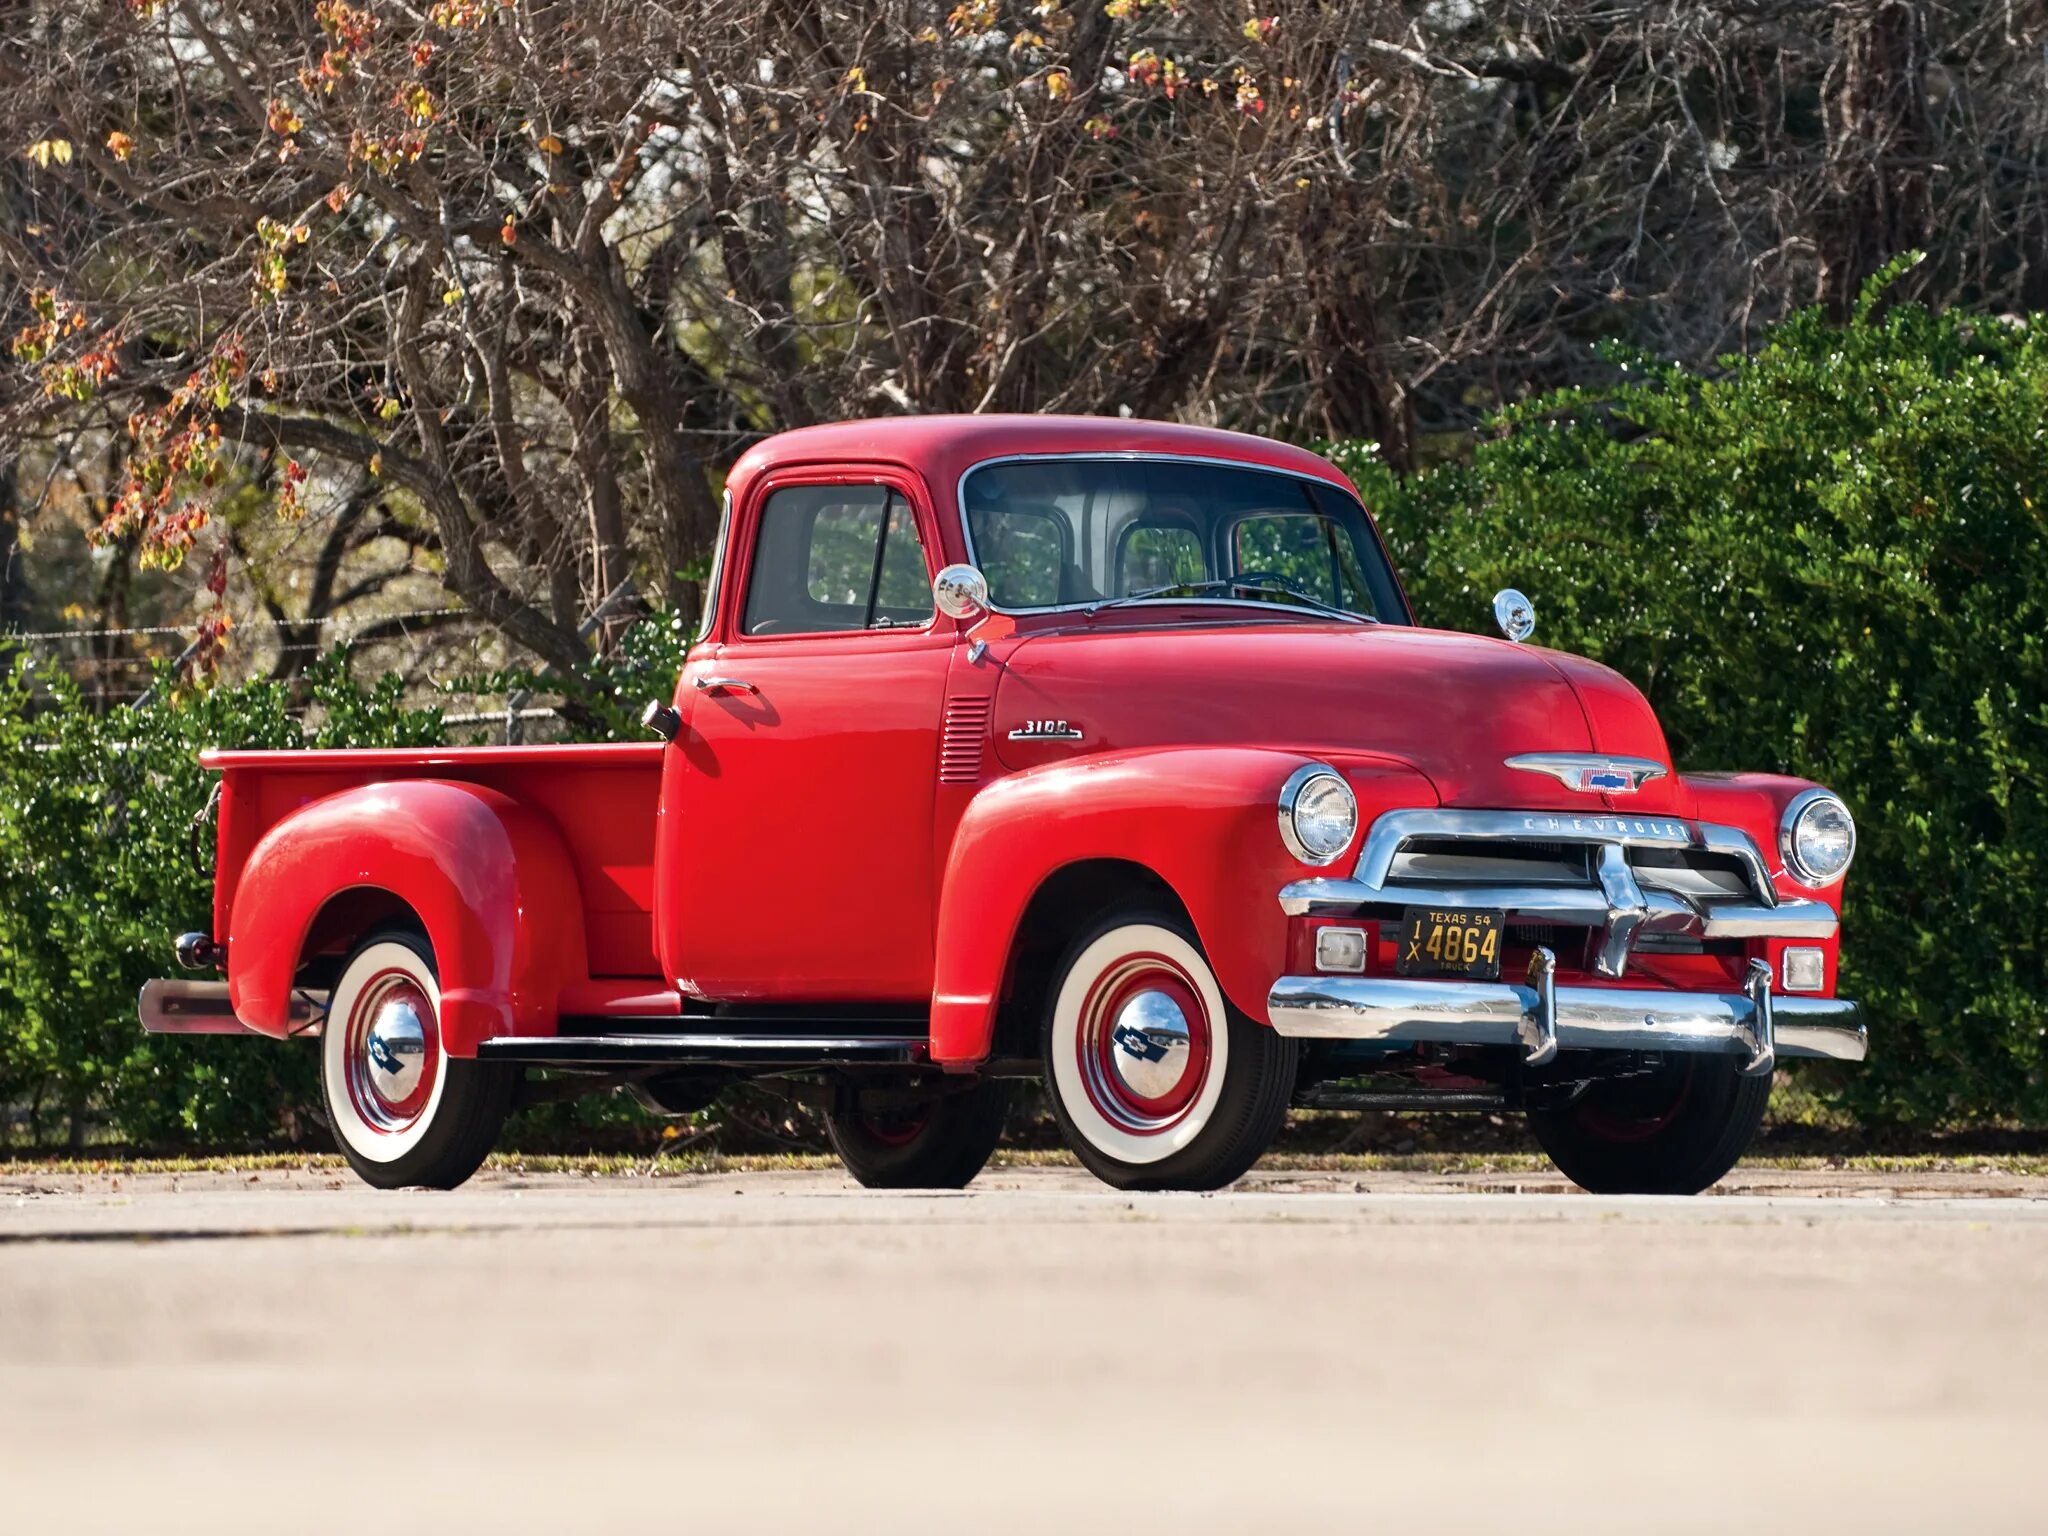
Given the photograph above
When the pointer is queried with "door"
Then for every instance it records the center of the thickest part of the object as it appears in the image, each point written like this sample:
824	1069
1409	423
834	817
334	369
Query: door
804	802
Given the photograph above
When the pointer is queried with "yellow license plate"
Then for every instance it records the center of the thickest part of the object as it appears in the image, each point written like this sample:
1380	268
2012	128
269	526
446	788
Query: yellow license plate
1450	941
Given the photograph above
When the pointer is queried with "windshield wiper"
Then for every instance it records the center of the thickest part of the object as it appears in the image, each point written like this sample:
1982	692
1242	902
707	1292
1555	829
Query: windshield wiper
1263	583
1229	584
1192	588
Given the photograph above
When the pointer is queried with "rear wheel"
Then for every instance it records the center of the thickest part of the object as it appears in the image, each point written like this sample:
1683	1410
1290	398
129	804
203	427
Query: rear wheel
1673	1131
403	1110
938	1143
1158	1083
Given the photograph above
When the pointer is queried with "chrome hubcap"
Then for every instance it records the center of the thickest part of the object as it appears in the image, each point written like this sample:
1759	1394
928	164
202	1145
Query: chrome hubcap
392	1053
1150	1043
396	1049
1143	1044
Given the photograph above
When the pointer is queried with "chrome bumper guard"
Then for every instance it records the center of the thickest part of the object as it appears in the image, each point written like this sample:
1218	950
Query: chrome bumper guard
1544	1018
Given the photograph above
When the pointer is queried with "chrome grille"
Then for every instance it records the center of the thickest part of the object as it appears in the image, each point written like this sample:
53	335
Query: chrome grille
1464	860
1691	872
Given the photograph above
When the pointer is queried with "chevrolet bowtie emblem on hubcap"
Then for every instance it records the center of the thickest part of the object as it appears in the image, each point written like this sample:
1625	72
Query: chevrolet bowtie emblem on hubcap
1593	772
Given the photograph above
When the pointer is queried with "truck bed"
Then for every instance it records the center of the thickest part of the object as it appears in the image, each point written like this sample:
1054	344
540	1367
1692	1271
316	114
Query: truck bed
601	798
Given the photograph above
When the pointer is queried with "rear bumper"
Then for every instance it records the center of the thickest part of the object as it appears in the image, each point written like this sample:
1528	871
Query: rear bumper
1395	1009
203	1008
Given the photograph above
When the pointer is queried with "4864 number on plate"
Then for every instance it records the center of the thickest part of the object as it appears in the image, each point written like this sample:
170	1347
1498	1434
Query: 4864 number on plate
1462	942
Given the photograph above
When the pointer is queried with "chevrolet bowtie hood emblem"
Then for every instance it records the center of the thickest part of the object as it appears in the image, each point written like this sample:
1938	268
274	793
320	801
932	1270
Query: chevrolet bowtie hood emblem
1595	773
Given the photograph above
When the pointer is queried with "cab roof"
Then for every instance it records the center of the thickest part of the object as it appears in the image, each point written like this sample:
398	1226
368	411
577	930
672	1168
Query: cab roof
943	448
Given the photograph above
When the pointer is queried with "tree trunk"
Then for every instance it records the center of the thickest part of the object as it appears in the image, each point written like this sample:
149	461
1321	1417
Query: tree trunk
1881	145
13	581
1360	396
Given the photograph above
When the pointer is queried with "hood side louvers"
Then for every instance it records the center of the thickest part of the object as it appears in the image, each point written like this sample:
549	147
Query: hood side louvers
964	740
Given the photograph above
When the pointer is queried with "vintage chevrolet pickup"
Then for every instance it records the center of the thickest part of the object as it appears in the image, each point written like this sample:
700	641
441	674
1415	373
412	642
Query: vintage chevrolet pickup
1100	751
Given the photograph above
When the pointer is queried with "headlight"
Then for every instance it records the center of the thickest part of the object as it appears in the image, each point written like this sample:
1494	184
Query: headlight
1817	837
1318	813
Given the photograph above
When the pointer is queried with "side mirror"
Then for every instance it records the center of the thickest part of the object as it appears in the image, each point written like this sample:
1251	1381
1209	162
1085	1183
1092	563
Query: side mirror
961	592
1515	614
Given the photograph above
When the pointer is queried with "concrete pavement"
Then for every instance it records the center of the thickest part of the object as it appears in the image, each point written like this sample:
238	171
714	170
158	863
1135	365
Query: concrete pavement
550	1353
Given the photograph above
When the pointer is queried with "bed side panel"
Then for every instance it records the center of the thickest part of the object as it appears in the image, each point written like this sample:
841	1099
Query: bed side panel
601	800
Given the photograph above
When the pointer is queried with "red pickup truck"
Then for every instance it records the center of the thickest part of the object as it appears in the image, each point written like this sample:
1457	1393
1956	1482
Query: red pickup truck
1102	752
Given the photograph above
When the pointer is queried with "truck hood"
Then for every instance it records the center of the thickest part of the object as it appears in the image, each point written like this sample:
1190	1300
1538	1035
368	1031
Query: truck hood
1452	706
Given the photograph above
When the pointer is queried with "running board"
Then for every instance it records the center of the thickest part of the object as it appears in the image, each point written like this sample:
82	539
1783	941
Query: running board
782	1053
1410	1102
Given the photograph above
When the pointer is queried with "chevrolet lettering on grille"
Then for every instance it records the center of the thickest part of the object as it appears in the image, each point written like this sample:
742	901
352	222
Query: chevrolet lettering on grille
1658	828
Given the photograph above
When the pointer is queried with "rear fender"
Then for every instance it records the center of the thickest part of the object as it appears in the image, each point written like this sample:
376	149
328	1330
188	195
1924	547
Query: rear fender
1204	819
487	876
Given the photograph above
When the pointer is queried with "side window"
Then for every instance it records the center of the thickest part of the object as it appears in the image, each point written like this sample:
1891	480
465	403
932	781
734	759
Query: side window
842	553
903	582
836	557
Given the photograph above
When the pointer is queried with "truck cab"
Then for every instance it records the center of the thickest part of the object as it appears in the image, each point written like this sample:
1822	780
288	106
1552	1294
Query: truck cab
1101	752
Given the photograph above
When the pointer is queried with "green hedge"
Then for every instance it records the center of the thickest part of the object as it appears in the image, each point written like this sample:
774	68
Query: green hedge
96	861
97	873
1827	560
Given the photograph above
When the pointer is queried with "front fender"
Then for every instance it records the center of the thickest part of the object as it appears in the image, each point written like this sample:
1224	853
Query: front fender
488	877
1204	819
1755	803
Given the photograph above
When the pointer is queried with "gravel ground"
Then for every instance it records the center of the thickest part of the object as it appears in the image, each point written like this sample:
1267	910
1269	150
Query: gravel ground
290	1351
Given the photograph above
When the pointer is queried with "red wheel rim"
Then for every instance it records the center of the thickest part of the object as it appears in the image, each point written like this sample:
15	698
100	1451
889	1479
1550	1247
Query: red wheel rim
1610	1126
1144	1043
392	1047
899	1129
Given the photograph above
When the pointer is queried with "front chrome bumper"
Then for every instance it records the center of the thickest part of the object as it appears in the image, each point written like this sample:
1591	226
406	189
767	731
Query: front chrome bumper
1544	1018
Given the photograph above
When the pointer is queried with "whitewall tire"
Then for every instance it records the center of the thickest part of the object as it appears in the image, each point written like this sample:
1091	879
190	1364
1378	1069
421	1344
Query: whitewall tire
1158	1083
403	1111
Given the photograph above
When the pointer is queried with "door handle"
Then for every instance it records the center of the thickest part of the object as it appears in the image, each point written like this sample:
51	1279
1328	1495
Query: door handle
725	685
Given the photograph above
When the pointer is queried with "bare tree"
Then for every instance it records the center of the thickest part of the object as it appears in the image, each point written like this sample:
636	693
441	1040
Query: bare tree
518	278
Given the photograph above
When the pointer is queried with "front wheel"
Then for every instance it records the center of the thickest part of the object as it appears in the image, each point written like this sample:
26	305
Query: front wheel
1157	1082
403	1110
1674	1130
939	1143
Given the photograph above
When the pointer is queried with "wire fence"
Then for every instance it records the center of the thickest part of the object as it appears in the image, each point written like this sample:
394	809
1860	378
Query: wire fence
119	663
120	660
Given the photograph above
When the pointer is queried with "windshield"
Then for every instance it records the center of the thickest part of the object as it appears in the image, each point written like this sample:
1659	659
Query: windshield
1058	533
